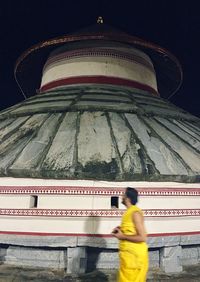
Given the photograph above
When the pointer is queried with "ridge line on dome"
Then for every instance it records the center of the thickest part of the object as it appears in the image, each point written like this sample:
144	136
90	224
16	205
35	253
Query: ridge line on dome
178	156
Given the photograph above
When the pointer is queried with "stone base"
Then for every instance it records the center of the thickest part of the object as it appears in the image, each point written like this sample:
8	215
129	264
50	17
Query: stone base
76	260
170	259
190	255
77	255
36	257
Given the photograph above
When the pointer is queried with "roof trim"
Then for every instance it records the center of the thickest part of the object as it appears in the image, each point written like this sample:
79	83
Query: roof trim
155	51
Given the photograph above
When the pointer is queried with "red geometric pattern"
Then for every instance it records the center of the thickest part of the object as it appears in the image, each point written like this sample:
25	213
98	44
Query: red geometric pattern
97	213
96	52
101	191
171	212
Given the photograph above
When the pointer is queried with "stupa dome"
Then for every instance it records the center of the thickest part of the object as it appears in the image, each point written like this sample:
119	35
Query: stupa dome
97	119
99	114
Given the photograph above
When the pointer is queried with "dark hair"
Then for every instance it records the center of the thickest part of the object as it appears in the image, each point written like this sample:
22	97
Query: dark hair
132	194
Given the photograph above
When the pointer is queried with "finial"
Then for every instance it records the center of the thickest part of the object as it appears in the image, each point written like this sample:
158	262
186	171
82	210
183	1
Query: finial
100	20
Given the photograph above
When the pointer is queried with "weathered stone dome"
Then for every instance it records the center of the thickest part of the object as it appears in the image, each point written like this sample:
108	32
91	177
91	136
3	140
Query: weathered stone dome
99	132
99	116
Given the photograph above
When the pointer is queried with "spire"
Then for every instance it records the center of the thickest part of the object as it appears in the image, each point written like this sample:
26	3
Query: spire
100	20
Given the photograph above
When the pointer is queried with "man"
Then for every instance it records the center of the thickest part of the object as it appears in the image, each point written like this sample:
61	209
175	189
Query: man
133	250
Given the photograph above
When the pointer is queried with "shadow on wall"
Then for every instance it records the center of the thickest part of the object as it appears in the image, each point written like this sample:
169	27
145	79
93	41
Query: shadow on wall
3	252
95	245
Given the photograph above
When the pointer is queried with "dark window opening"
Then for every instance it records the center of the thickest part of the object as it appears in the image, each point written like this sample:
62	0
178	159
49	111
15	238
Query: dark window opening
115	202
34	202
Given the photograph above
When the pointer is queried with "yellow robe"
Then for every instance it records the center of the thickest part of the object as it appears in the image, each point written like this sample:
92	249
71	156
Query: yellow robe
133	256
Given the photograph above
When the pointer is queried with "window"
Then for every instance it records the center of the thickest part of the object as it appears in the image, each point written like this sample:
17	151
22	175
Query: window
114	202
34	202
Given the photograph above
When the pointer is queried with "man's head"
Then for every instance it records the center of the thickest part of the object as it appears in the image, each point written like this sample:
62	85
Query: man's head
130	196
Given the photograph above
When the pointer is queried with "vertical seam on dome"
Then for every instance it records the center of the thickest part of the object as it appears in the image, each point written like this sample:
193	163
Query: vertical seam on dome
178	123
144	162
197	130
188	144
6	136
75	153
41	160
121	166
26	143
176	154
77	99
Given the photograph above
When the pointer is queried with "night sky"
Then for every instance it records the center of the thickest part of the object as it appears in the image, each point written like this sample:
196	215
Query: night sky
174	25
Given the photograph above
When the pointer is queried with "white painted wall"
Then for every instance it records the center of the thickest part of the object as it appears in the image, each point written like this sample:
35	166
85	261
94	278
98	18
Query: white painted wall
94	225
99	66
65	202
14	201
176	224
97	202
16	182
170	202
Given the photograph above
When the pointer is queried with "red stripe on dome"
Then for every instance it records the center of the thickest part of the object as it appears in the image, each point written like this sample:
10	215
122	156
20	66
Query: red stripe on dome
98	80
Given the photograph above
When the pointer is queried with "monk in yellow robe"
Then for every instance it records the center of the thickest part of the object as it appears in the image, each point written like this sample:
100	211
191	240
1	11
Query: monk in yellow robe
133	250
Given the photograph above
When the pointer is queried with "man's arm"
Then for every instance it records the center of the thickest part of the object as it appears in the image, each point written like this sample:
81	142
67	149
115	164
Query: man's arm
140	230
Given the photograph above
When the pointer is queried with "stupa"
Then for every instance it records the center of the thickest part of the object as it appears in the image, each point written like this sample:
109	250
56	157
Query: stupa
95	120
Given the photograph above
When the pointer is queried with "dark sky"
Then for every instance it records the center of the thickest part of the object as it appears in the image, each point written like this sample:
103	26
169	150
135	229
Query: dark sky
174	25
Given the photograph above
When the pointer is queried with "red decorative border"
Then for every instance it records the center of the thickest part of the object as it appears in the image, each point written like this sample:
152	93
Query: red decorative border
171	212
101	191
95	52
98	79
97	213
